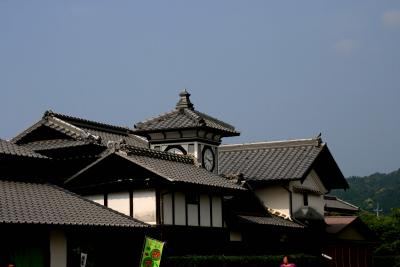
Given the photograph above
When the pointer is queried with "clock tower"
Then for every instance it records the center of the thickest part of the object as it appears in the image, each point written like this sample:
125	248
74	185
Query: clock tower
187	131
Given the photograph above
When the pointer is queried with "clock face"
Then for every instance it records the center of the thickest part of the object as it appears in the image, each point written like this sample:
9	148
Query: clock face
208	159
175	150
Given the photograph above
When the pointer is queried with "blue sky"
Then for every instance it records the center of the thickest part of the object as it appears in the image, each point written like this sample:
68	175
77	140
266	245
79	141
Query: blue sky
274	69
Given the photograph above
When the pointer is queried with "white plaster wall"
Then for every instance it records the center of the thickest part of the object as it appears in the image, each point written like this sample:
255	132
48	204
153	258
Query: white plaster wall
144	206
58	249
96	198
193	214
167	208
314	182
315	201
297	201
216	211
275	197
180	209
119	201
205	219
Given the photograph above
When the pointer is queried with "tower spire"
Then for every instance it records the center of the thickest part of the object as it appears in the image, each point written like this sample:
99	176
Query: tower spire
184	101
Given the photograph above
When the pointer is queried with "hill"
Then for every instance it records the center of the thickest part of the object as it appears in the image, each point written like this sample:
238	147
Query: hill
366	192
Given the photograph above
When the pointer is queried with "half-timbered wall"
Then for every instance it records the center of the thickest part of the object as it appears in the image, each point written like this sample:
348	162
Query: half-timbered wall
192	209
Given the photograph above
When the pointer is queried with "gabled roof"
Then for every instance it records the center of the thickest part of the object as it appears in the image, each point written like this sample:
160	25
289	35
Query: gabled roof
280	161
171	167
80	130
53	144
8	148
335	204
269	220
269	160
184	117
336	224
247	208
31	203
356	229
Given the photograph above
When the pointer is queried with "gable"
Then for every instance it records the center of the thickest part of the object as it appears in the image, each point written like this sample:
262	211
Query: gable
39	133
351	233
311	183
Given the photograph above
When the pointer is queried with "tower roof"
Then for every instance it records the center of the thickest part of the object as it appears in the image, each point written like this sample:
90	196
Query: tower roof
184	116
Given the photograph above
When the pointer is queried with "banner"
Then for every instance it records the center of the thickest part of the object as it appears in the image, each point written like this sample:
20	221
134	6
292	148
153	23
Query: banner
152	251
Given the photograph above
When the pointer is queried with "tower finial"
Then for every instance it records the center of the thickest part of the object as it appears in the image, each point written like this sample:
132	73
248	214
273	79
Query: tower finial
184	101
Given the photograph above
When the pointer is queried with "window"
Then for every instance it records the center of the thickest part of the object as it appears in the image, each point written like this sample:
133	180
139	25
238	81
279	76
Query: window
305	199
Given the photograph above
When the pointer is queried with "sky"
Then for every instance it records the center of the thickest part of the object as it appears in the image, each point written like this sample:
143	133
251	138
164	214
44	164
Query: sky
276	70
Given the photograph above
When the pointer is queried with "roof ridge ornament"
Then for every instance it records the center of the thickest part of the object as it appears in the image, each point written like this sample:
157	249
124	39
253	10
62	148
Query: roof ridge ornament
318	140
184	101
48	113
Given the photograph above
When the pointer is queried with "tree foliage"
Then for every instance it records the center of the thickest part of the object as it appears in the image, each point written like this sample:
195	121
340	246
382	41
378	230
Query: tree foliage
387	230
369	191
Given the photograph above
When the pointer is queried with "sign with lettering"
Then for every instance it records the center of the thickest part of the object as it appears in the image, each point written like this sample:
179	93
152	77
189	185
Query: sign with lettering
152	251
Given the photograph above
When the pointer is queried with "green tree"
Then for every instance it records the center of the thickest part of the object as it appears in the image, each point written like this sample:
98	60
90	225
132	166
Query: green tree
387	229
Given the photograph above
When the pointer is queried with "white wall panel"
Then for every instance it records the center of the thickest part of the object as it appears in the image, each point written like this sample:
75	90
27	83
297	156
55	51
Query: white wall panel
205	219
144	206
193	214
119	202
180	209
167	208
216	211
275	197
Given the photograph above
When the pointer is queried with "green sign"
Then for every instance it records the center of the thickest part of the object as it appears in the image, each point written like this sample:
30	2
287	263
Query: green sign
151	253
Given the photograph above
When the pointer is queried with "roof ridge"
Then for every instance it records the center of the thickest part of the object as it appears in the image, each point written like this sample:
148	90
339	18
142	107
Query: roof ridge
140	151
267	144
227	125
158	117
33	127
330	197
192	114
87	123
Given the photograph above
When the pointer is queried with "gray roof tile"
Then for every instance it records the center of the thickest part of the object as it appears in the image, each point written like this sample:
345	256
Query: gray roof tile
172	167
184	117
9	148
285	160
335	203
83	130
53	144
180	171
272	220
29	203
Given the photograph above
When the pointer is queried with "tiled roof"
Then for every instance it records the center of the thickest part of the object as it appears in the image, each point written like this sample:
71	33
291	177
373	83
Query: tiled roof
29	203
172	167
334	203
336	224
53	144
184	117
9	148
83	130
182	172
282	160
273	220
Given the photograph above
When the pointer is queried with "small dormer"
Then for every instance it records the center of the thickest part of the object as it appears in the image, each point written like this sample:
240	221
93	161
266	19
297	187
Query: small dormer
185	130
